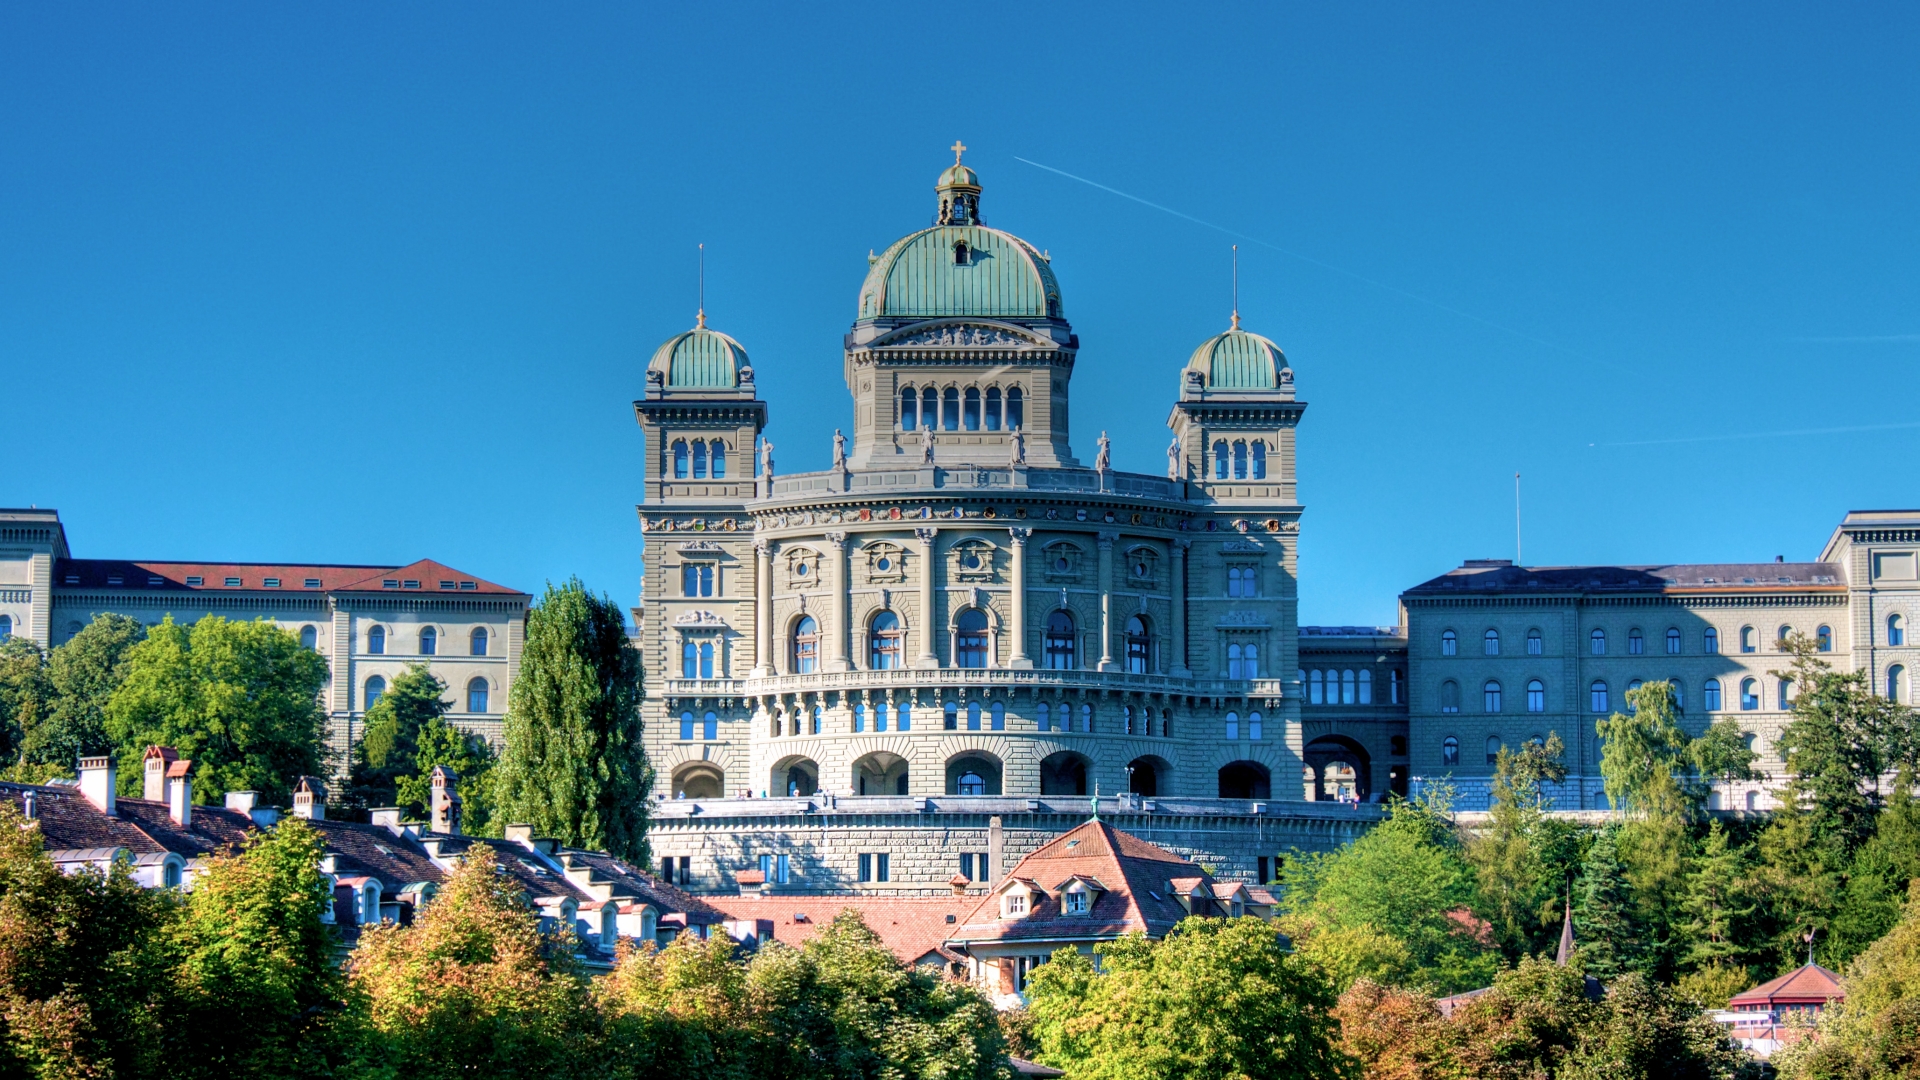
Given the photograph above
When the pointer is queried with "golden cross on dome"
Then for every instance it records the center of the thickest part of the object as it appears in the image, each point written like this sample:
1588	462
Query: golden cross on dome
958	148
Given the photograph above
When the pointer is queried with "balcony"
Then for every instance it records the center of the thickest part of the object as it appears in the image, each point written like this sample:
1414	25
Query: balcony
978	679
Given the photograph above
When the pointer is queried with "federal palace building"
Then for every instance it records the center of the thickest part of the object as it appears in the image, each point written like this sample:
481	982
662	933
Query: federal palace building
905	672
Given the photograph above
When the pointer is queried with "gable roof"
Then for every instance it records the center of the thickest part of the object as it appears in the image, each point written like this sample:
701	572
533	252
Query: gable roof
915	928
1140	890
1807	985
1500	575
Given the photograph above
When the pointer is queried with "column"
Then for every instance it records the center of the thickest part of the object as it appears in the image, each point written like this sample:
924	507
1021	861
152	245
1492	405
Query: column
928	567
1017	608
1105	539
762	608
842	604
1178	645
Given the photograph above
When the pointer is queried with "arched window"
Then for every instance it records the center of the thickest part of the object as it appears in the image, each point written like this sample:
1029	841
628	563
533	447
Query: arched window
970	413
1259	460
689	661
477	641
375	687
1366	687
1449	751
1636	642
1139	645
970	783
1236	661
1349	686
909	409
903	717
1316	688
1393	687
699	460
1449	643
1786	694
1493	643
993	408
970	639
1043	716
1220	459
929	409
1536	696
1823	639
1449	697
819	714
973	716
1239	460
1679	692
806	646
1710	641
1673	641
1016	409
1896	683
950	409
1633	707
309	637
679	460
1780	638
997	717
172	874
377	640
1166	723
1086	718
883	642
952	716
1896	630
1710	695
1060	642
477	695
1534	645
719	460
1233	725
960	249
1253	726
696	579
1599	641
1748	641
1490	696
706	659
6	627
1598	691
1493	749
880	716
429	641
1749	695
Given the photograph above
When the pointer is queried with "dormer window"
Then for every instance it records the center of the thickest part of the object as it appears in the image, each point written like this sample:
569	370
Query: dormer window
1077	902
960	253
1013	905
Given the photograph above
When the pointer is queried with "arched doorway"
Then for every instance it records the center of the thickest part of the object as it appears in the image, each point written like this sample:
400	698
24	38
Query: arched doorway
1245	780
973	773
699	780
880	773
1064	773
1342	769
795	776
1148	775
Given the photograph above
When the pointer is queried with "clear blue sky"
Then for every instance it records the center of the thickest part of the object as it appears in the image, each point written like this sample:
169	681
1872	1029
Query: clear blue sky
370	283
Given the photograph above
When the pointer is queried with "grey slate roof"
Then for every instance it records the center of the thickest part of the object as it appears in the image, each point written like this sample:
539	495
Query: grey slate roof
1498	575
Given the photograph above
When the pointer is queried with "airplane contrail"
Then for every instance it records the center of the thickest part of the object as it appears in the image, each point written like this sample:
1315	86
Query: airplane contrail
1764	435
1397	291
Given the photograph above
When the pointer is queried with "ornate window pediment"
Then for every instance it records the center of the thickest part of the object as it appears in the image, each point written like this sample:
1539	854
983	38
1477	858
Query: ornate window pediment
803	567
885	562
699	620
972	560
1062	561
1143	566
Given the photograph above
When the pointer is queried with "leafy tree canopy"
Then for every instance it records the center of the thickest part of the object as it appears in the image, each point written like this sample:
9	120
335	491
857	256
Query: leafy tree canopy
392	735
82	673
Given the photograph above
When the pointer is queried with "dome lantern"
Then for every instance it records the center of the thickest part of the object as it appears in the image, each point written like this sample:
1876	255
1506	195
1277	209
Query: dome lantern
959	191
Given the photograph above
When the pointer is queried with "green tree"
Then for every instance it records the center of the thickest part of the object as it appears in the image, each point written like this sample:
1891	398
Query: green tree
1875	1031
1718	907
392	735
242	699
574	766
1644	1031
82	673
469	755
1215	998
1520	856
475	988
1842	738
1643	756
79	971
1606	916
842	1005
1405	880
256	987
686	1010
26	695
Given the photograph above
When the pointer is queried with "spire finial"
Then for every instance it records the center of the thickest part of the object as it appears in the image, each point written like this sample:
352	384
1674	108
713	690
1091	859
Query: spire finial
1236	287
1096	801
958	148
700	316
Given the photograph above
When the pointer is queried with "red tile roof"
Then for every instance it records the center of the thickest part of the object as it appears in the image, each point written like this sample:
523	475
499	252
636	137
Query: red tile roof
293	577
1139	877
912	926
1809	985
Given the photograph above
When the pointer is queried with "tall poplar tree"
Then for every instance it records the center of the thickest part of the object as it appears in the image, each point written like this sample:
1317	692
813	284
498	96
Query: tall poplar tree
574	767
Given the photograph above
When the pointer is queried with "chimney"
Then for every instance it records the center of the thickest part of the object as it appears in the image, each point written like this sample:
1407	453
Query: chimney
29	803
310	798
180	793
751	882
97	776
959	883
155	765
242	801
386	817
446	801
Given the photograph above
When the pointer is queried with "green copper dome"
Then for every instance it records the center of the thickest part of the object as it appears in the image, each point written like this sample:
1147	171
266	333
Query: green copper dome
958	175
700	359
1238	360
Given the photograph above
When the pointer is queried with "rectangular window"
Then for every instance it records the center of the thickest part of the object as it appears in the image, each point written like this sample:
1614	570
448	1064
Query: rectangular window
448	586
311	583
985	867
780	869
191	580
881	870
1393	679
866	867
233	583
269	583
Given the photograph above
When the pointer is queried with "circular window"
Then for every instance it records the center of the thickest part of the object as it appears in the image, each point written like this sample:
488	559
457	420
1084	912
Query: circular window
1140	569
801	569
1060	564
883	563
970	561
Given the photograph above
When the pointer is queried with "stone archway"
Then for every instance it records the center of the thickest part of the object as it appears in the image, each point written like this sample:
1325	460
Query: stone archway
699	780
1064	773
1149	775
973	772
1245	780
880	773
796	776
1340	767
